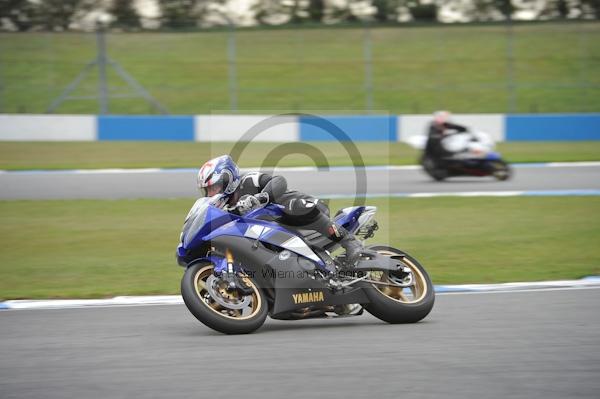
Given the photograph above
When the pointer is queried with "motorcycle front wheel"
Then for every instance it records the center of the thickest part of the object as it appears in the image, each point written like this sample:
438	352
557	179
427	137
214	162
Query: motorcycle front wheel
435	172
403	298
218	308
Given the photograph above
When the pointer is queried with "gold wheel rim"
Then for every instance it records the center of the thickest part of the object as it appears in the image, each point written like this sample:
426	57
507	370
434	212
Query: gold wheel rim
234	314
411	294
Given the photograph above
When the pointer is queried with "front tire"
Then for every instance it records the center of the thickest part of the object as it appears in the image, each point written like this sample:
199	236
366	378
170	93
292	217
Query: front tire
215	313
396	304
434	171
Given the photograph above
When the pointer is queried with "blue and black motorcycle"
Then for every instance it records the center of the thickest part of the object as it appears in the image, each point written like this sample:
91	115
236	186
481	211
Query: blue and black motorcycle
239	269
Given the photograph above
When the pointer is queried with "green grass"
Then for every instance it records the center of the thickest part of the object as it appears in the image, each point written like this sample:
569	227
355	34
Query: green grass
103	248
83	155
548	67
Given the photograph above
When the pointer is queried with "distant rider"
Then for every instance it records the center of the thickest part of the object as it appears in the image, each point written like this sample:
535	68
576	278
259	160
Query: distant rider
439	129
255	189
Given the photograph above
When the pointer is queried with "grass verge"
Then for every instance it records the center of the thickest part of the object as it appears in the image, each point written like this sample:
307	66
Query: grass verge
65	249
93	155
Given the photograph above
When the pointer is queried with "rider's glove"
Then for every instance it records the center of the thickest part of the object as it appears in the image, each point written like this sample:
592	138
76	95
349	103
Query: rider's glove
250	202
263	198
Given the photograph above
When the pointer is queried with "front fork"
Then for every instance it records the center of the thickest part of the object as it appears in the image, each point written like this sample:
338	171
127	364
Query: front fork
225	271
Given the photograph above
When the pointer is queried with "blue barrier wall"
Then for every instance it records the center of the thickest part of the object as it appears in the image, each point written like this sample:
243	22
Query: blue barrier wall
355	127
534	127
556	127
172	128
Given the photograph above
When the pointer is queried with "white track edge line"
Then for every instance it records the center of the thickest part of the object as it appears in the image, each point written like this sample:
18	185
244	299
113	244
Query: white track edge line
281	169
120	301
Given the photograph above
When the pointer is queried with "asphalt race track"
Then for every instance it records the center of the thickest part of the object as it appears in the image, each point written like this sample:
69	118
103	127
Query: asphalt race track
537	344
542	344
339	181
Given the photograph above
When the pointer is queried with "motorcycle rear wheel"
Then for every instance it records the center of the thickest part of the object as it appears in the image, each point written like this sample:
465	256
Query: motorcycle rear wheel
501	171
397	304
211	312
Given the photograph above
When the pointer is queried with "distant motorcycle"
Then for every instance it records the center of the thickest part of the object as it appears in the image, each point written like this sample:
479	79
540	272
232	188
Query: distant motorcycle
289	273
472	155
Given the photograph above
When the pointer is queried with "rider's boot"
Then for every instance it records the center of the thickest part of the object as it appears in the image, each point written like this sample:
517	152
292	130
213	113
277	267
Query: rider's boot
336	233
349	242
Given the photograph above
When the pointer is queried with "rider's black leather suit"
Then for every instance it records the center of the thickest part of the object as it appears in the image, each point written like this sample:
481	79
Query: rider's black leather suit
300	209
437	132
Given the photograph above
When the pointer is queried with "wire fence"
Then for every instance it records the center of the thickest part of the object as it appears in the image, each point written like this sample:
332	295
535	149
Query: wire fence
523	68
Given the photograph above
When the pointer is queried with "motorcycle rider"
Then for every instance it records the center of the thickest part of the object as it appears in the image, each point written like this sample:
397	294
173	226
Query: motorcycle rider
255	189
439	129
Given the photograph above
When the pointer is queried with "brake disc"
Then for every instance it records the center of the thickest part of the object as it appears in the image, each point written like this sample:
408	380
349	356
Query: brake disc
403	281
229	300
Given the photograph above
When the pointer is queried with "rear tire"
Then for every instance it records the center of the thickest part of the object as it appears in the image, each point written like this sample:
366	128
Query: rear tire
395	307
209	312
501	171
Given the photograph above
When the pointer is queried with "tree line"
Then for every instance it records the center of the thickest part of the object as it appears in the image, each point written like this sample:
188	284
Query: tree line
62	15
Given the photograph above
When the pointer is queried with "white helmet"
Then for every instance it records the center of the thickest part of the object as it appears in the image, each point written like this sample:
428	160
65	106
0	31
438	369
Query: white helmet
440	117
219	175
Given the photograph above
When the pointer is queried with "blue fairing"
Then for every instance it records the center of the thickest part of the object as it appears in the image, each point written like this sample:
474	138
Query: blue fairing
493	156
272	210
208	222
239	227
243	223
350	220
219	262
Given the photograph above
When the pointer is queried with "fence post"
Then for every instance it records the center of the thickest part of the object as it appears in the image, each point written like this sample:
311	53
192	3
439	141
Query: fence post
101	61
584	69
510	66
368	61
232	67
299	98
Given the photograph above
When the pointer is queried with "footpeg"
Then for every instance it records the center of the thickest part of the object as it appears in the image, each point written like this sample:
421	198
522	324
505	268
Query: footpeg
335	284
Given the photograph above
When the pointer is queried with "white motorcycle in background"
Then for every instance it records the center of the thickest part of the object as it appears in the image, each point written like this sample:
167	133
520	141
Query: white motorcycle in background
472	155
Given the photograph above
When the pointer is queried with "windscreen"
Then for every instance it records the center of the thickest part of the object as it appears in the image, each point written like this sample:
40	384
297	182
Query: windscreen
196	216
